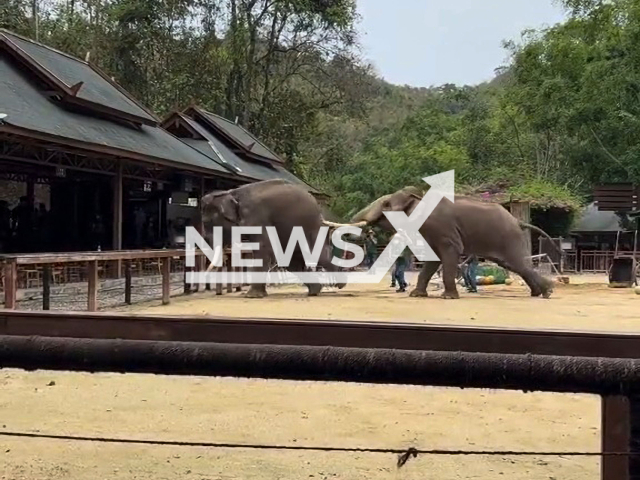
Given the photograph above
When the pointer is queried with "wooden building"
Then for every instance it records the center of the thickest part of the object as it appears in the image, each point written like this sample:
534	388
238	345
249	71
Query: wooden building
108	175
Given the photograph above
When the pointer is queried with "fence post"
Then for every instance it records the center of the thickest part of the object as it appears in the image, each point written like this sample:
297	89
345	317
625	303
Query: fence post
10	284
92	290
127	282
166	280
219	285
230	271
634	438
187	285
46	287
615	434
238	271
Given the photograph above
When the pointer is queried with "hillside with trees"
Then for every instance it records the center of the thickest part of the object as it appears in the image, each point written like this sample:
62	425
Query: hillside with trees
562	115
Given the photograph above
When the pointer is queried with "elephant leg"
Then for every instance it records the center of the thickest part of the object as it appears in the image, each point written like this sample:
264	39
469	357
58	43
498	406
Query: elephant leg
325	263
450	258
259	290
536	282
298	265
428	270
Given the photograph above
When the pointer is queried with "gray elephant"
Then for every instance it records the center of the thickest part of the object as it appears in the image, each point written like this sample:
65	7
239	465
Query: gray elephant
269	203
466	226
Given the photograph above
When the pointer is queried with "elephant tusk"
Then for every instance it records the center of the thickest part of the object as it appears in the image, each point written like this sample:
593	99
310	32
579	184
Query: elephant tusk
337	225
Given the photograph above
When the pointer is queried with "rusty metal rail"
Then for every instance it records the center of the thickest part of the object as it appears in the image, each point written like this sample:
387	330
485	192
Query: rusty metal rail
406	336
503	356
601	376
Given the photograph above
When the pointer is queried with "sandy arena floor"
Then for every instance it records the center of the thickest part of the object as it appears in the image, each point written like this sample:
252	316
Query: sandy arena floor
287	413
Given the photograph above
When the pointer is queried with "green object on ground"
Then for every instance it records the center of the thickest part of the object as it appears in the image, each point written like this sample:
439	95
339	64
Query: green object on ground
499	274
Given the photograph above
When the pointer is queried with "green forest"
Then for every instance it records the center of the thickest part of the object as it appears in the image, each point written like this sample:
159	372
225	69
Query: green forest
562	115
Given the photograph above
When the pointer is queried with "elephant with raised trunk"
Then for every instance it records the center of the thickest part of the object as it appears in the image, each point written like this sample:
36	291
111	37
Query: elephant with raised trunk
269	203
465	226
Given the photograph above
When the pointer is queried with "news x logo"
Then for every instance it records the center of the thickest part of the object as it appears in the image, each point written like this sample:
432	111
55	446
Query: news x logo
407	235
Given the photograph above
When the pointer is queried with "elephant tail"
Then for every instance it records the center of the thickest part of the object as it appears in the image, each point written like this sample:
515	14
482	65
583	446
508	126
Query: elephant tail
542	232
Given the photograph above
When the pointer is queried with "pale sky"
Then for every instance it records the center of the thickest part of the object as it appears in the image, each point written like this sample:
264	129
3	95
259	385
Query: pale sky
431	42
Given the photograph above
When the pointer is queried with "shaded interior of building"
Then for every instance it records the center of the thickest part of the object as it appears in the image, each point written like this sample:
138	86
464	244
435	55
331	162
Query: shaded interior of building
76	213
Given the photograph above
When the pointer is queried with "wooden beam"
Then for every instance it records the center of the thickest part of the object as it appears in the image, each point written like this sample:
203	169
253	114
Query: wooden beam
615	433
117	209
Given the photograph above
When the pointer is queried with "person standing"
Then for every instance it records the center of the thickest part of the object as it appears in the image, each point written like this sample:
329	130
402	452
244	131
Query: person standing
469	274
400	266
371	246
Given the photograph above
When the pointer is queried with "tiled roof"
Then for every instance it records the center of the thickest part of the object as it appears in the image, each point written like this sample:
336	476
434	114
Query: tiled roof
94	87
213	146
594	220
238	135
27	107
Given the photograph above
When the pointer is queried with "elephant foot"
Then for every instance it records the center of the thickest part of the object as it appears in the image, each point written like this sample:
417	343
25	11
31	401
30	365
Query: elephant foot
450	295
547	291
314	289
537	291
418	293
255	293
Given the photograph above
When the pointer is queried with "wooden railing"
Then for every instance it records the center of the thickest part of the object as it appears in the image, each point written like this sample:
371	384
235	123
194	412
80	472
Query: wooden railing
89	267
595	261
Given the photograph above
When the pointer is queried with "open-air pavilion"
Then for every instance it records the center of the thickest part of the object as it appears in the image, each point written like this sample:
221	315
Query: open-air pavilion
84	167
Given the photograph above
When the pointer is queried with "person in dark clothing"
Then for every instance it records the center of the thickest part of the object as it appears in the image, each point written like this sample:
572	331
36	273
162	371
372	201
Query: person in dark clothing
371	246
469	274
397	276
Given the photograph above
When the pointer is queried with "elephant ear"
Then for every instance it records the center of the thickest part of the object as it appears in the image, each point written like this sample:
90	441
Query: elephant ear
230	208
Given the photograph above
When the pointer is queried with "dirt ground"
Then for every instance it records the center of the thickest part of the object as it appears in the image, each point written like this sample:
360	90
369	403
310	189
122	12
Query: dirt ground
318	414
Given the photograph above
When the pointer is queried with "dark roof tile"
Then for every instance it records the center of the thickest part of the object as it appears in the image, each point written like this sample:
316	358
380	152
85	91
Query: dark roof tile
28	108
95	89
240	136
215	148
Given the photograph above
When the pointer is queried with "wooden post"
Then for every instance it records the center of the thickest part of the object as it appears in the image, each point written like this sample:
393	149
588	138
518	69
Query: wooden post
117	215
10	284
218	285
127	282
203	267
187	285
239	284
522	212
46	287
92	277
615	432
166	280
